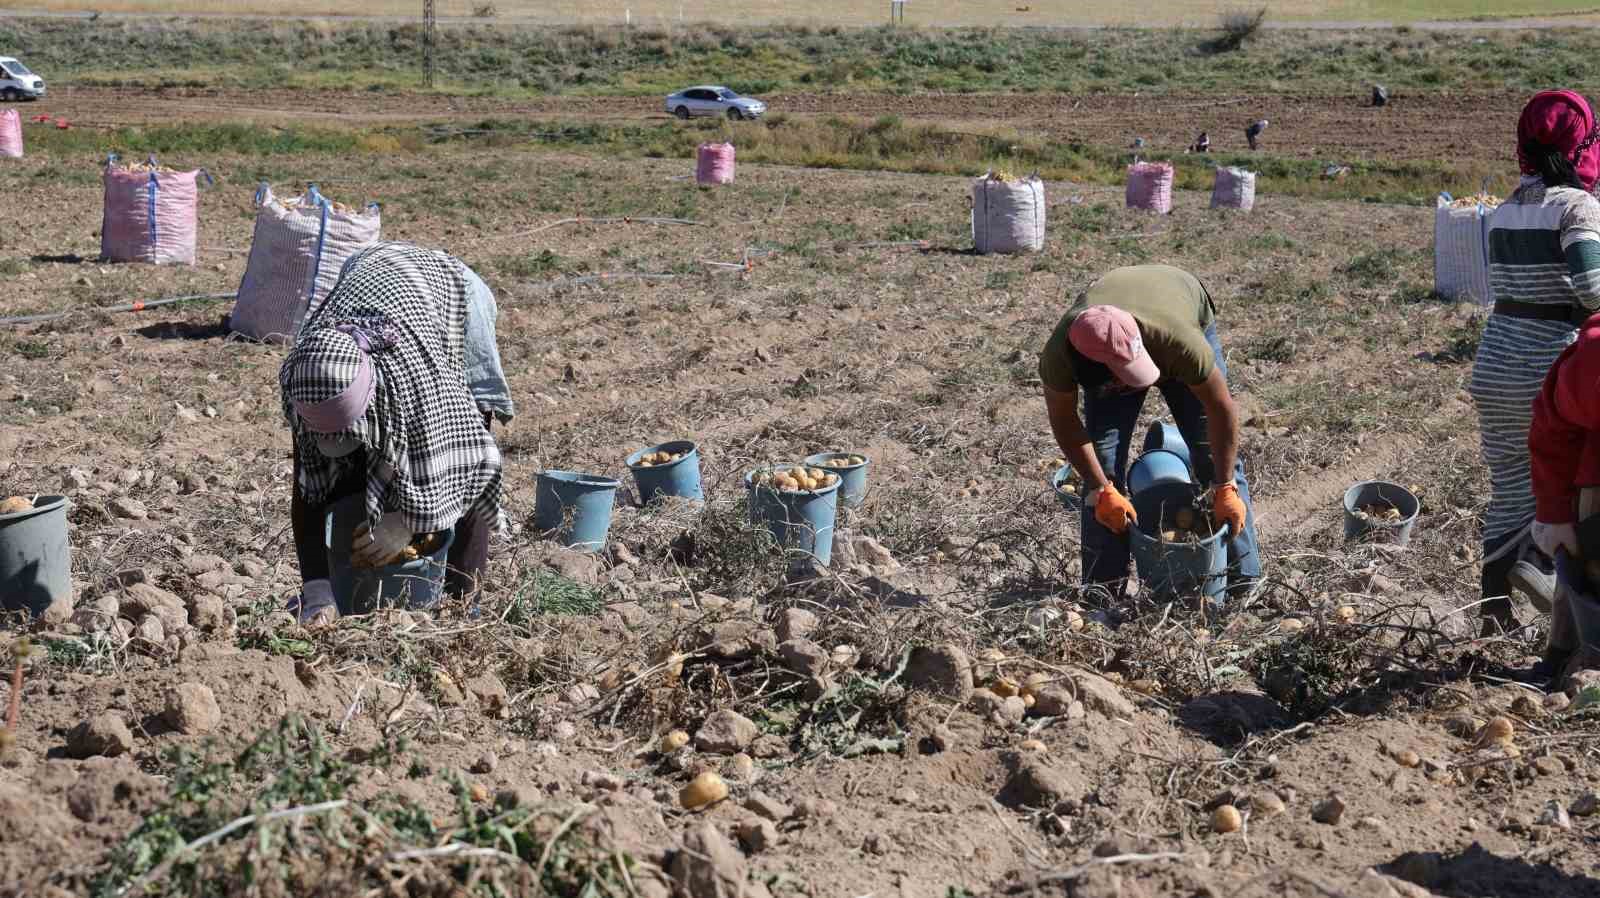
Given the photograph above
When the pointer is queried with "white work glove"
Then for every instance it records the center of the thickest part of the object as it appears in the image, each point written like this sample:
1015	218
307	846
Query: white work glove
1550	537
315	606
386	541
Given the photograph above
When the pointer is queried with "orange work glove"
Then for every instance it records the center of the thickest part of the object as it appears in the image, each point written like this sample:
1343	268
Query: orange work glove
1228	509
1112	510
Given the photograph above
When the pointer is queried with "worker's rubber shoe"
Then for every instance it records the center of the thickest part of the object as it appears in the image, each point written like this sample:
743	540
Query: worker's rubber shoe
1530	577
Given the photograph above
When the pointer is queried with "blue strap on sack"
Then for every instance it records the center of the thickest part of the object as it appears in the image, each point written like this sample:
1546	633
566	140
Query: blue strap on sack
150	199
322	236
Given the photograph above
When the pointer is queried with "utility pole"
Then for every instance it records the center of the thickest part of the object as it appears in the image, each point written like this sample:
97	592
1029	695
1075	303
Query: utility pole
427	42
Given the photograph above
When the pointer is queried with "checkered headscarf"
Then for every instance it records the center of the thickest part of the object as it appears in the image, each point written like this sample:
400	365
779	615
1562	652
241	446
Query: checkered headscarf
399	311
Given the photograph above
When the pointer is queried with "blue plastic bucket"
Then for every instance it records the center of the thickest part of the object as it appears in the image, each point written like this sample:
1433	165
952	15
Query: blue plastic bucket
416	585
1157	466
35	556
1176	568
1163	435
679	478
576	507
1369	492
798	521
852	478
1070	501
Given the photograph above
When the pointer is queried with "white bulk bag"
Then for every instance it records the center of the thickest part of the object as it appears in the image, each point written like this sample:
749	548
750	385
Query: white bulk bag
300	245
1234	188
1008	216
1461	250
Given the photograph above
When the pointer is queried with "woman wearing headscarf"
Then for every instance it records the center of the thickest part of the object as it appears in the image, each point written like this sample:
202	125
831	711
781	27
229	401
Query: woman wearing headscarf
390	389
1544	274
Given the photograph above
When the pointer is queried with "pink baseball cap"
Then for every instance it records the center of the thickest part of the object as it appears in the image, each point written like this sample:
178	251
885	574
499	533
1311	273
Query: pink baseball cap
1110	336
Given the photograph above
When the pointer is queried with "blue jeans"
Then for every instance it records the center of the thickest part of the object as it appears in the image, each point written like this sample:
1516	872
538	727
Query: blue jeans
1110	416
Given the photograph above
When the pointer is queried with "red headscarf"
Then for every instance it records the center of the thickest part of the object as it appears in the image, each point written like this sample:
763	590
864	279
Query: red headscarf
1562	121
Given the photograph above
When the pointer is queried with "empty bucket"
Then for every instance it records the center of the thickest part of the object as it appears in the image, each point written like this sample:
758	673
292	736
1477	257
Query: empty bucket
1359	525
1157	466
1162	435
852	477
679	478
1065	477
576	507
415	585
1179	567
35	556
798	521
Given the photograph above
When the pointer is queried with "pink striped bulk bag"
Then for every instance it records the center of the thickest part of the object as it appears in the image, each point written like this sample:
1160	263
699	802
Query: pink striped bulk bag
299	248
1234	188
10	134
1150	186
152	213
714	164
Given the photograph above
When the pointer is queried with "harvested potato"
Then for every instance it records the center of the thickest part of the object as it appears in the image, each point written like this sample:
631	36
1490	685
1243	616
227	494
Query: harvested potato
1468	202
15	504
1379	512
1005	687
1031	745
671	742
1033	684
1226	819
706	789
1405	757
1497	733
1291	625
797	479
847	461
1183	519
1345	614
422	545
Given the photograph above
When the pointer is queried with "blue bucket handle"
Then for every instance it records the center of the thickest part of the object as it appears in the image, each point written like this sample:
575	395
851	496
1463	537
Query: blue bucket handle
111	159
261	192
210	181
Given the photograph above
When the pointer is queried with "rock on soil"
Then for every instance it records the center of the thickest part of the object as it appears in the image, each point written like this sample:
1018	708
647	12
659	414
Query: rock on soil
804	657
1053	700
1329	810
130	508
579	567
1038	785
796	623
490	693
150	630
191	709
1100	694
209	613
104	734
766	806
758	835
1586	805
726	732
709	866
942	670
996	710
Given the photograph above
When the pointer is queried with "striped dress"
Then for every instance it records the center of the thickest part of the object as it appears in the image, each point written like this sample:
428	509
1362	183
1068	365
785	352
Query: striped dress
1544	248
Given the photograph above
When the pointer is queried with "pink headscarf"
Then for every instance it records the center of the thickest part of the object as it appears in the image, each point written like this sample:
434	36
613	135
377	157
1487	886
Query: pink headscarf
1562	121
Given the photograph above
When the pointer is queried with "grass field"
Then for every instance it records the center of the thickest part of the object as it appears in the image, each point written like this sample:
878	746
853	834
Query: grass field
1011	13
580	60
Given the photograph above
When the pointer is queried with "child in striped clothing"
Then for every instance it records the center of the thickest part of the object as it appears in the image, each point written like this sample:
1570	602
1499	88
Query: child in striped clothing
1544	273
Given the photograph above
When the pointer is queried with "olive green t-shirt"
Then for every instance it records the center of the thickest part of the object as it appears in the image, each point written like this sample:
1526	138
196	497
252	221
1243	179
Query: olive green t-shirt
1173	311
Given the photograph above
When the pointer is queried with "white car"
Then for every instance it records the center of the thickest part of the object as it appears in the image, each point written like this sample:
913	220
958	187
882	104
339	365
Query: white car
17	83
710	99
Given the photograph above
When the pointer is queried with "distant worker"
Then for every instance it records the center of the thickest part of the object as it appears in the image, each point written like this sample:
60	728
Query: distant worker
1254	131
1202	144
1544	274
1138	144
1140	327
1380	95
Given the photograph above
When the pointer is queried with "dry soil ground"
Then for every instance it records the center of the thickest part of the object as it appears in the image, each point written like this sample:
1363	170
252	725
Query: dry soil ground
861	322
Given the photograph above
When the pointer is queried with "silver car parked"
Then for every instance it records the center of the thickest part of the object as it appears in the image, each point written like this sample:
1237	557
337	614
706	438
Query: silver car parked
711	99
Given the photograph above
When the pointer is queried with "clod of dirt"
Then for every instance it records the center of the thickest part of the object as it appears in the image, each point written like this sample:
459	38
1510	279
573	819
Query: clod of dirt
1329	810
209	613
140	599
1586	805
486	763
706	789
103	734
941	738
601	781
758	835
813	808
1036	784
671	742
1100	694
1226	819
580	567
15	505
1554	814
804	657
129	508
995	709
844	656
769	745
726	732
1266	804
1556	702
150	630
1033	684
579	695
742	767
1405	757
796	623
768	807
1461	725
191	709
490	694
76	479
709	866
942	670
98	615
1054	700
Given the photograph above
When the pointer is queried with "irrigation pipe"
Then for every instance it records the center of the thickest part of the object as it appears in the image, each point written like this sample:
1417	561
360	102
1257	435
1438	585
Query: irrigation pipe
127	307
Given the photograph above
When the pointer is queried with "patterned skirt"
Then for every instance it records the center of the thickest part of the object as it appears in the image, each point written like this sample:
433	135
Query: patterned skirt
1513	358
